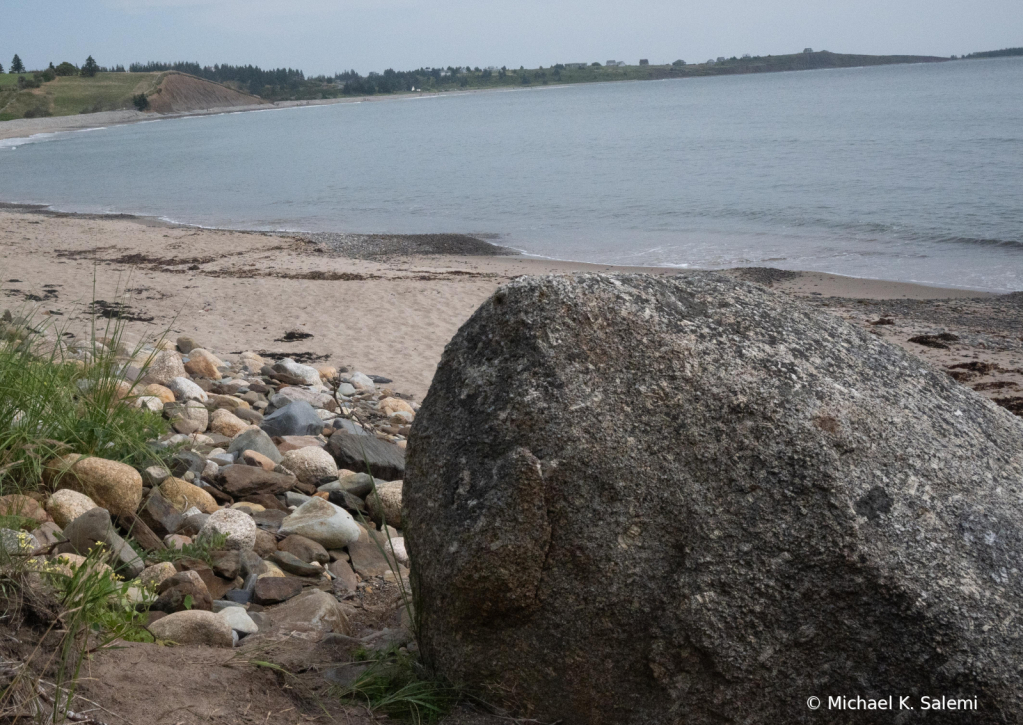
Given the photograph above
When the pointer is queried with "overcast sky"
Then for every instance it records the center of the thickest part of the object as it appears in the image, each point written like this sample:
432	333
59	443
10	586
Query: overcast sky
324	36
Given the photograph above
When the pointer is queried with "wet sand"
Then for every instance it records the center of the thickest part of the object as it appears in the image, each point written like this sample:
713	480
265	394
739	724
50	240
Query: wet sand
387	305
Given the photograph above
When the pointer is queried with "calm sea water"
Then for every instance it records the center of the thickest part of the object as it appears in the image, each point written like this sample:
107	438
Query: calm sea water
910	173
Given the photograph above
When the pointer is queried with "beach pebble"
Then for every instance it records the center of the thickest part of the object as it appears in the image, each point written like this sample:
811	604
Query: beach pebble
297	419
189	417
165	394
65	505
184	389
312	465
203	364
305	549
308	375
327	372
362	381
238	619
163	367
183	494
17	542
254	439
115	486
326	524
251	361
185	344
389	406
149	402
238	526
177	541
255	458
385	504
273	590
293	565
153	576
220	457
311	611
195	627
224	422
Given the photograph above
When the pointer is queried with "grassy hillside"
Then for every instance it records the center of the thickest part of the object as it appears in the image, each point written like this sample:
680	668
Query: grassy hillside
69	95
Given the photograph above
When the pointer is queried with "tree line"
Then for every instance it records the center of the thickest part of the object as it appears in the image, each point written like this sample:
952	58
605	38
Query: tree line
89	68
250	77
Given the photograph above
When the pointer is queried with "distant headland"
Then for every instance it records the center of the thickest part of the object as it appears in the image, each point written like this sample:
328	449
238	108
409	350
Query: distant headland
182	87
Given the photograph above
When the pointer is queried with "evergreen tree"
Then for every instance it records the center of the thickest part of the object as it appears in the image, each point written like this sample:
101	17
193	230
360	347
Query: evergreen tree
90	68
16	65
1	67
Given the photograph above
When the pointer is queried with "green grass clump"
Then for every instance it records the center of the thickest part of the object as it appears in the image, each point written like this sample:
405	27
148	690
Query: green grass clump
394	685
51	404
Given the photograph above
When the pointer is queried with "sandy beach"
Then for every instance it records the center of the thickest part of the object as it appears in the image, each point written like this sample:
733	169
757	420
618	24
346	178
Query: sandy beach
388	305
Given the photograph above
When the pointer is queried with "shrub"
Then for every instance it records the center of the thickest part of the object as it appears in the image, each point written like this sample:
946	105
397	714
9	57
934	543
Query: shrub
66	69
140	101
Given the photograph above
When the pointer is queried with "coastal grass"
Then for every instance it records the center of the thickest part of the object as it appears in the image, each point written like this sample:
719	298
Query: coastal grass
55	400
71	95
394	684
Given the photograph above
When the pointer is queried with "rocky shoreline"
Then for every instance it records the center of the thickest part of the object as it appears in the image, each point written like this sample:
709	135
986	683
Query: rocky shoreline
281	533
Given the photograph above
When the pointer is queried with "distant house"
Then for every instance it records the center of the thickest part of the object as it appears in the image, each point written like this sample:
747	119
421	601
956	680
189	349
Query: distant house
611	63
721	59
710	61
807	50
644	61
576	65
620	63
746	56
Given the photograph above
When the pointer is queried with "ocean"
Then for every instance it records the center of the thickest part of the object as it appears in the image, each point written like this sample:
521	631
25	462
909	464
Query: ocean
910	172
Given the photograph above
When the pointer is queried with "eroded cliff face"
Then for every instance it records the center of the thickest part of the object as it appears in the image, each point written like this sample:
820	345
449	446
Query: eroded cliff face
180	93
635	499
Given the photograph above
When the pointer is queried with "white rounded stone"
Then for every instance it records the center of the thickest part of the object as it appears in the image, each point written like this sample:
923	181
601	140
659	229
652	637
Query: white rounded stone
238	526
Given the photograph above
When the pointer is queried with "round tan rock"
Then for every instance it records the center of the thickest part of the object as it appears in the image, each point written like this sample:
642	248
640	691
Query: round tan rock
194	626
67	505
153	576
388	507
311	464
165	394
16	504
163	367
248	507
115	486
251	360
184	495
255	458
122	389
226	423
396	405
203	364
327	372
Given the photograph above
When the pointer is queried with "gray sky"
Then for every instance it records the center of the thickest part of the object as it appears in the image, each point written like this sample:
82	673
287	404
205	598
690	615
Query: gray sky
323	36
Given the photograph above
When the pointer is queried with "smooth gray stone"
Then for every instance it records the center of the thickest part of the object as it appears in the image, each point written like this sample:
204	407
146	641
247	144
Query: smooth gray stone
255	439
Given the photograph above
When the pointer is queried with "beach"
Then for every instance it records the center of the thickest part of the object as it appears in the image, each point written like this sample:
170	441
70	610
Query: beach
387	305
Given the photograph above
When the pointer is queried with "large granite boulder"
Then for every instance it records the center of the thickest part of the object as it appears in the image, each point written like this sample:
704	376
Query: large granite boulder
690	500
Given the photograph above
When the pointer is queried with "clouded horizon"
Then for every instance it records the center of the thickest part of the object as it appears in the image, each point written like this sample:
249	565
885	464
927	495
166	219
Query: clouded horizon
325	36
